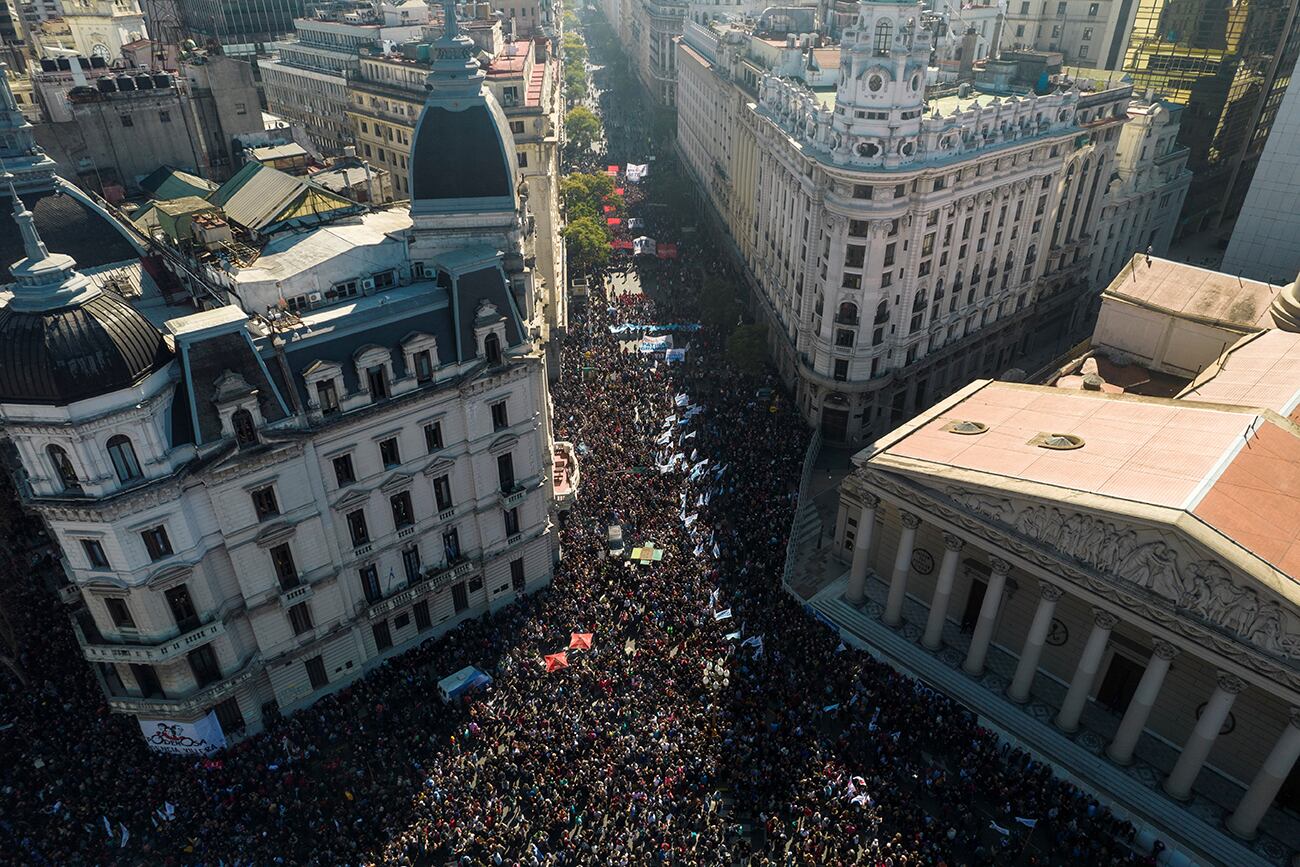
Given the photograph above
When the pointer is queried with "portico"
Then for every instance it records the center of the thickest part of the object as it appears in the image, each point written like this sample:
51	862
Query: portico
1097	619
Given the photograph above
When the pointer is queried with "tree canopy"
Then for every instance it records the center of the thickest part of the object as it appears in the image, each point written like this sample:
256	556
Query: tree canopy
747	348
587	243
583	128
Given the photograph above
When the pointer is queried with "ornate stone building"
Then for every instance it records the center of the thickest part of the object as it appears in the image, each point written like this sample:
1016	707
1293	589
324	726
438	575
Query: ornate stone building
256	501
1108	574
900	241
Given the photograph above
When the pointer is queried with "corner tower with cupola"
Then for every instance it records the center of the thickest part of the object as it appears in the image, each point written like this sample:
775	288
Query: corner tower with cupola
880	96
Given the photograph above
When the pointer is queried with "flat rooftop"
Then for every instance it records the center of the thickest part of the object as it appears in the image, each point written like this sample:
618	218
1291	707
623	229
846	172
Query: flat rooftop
1262	370
1191	291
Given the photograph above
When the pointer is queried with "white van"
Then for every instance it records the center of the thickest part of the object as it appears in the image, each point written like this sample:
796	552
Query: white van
454	686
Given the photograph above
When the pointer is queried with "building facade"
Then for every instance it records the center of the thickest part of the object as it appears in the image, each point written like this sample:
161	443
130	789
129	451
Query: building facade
1088	33
1081	576
651	31
898	241
1144	198
1230	68
275	498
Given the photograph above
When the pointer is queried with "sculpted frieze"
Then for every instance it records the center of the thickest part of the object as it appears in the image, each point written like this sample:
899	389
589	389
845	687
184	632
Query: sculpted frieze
1202	586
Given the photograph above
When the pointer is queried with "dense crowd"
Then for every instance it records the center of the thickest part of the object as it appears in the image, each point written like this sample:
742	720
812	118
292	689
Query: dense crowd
711	723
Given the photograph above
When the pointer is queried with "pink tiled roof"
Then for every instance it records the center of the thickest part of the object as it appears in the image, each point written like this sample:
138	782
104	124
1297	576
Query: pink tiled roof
535	81
1263	371
1150	452
1255	501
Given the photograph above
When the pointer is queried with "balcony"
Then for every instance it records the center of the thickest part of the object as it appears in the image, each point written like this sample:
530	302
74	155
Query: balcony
290	598
432	581
174	708
150	653
514	494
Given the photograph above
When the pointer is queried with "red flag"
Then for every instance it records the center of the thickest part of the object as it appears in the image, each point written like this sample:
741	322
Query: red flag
618	191
666	251
580	641
614	221
613	170
556	661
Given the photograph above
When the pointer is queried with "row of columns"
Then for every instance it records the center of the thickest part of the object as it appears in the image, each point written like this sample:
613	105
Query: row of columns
1263	788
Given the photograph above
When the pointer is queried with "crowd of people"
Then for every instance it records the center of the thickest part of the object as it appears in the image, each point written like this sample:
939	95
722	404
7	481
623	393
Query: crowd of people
711	723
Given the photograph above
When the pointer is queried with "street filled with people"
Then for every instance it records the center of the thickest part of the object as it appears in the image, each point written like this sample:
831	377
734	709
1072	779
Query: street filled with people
711	721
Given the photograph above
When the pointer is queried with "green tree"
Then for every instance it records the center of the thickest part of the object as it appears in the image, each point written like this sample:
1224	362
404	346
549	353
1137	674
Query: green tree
587	243
575	83
574	48
582	128
747	349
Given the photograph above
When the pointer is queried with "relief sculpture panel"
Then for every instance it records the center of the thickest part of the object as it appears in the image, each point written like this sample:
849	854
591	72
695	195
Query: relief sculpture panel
1203	587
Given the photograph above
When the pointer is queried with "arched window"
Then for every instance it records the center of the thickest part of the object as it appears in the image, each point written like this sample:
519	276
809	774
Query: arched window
848	314
122	454
918	303
884	38
63	469
938	290
882	312
1031	255
245	430
492	348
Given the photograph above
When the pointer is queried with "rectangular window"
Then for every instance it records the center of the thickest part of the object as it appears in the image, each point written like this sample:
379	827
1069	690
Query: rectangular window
157	543
286	571
841	370
182	607
241	108
119	613
316	672
203	663
411	564
522	159
451	545
861	191
900	190
512	521
927	244
300	618
890	252
403	513
357	528
370	583
389	453
422	620
127	121
506	472
433	436
94	554
459	597
383	636
844	337
499	417
855	255
165	116
442	492
147	679
517	127
1093	8
423	367
327	397
264	503
517	579
343	472
858	228
230	716
377	378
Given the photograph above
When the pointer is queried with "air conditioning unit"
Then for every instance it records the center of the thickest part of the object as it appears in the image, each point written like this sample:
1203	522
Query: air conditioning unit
314	297
367	284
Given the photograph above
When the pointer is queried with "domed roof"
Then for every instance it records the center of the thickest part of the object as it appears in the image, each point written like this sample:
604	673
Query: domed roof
459	155
77	352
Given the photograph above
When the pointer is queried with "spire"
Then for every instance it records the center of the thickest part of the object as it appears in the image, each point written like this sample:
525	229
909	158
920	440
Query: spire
455	74
33	246
7	101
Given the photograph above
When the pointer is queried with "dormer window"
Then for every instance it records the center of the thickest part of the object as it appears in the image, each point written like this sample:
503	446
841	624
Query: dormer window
377	379
245	430
63	469
122	454
492	348
327	396
423	363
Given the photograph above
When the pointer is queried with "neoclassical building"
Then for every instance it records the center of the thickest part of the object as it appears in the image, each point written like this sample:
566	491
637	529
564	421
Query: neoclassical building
256	501
1109	576
899	239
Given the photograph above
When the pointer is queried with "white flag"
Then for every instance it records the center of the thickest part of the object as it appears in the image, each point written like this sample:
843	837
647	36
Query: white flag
1028	823
126	835
724	614
996	827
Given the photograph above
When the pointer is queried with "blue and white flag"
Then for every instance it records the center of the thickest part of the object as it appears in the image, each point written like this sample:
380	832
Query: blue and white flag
731	636
682	399
724	614
996	827
1028	823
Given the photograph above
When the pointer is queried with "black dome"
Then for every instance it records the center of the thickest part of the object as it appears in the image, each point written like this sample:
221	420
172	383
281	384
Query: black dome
66	225
459	155
60	356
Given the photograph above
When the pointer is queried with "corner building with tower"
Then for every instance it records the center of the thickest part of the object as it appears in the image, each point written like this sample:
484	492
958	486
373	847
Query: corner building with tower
256	505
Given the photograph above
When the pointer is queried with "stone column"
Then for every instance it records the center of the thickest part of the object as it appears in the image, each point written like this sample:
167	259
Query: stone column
1076	698
1268	780
862	550
1048	594
1139	708
979	643
1197	749
902	565
952	546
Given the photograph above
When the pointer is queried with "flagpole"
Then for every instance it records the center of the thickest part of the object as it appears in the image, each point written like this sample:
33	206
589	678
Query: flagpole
1024	850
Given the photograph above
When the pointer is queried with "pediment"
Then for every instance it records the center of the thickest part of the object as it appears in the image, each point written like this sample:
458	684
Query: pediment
274	534
1160	562
439	467
351	500
396	482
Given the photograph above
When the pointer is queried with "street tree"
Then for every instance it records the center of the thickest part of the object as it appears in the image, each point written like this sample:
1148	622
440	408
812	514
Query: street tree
582	128
747	349
587	243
